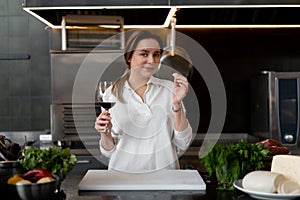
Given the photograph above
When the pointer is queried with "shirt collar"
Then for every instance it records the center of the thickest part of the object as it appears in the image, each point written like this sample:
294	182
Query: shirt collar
153	80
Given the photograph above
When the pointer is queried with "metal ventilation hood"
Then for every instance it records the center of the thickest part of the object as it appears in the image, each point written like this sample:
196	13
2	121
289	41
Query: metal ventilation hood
158	13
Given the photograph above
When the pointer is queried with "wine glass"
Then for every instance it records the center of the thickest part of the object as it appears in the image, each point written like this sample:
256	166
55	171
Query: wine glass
105	101
108	100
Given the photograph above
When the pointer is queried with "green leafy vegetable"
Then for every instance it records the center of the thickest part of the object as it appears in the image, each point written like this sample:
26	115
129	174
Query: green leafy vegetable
250	155
55	159
230	162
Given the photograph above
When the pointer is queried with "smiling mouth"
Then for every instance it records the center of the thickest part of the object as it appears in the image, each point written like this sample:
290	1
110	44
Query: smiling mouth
149	68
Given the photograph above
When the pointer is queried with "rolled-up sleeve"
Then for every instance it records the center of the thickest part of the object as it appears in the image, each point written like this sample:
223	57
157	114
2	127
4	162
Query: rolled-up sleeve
108	153
116	133
182	139
105	152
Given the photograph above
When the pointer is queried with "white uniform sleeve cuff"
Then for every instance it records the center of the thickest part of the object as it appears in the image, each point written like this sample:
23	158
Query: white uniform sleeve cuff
183	138
106	153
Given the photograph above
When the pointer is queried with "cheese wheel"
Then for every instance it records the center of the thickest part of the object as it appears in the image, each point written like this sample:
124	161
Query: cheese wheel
288	187
288	165
262	181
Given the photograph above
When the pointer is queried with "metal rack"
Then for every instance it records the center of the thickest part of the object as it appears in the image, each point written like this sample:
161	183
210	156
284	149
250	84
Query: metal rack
90	31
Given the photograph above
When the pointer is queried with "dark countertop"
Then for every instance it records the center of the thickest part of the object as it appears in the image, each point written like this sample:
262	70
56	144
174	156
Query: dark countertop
70	188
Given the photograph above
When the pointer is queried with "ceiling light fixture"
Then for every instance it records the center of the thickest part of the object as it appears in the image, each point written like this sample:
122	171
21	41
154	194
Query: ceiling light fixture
171	13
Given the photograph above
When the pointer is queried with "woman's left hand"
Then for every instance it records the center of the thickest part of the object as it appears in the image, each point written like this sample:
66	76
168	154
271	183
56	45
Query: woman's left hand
181	87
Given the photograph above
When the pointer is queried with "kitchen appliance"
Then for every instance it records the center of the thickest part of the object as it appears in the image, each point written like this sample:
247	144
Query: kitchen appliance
275	107
70	116
90	31
86	49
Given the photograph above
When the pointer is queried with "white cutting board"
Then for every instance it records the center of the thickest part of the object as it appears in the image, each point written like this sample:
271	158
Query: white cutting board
158	180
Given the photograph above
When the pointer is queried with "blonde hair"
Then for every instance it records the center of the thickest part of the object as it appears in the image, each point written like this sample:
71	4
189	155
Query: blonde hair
131	44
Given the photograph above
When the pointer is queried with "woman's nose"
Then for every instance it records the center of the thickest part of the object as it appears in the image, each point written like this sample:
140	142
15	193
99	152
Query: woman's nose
151	59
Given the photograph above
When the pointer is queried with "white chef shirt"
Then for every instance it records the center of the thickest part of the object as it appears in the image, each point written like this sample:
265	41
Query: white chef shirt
144	134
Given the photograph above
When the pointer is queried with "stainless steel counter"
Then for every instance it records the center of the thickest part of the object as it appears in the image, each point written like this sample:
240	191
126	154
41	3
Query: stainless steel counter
20	137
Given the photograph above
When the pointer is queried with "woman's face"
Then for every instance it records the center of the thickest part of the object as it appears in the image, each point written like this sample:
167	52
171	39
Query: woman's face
145	59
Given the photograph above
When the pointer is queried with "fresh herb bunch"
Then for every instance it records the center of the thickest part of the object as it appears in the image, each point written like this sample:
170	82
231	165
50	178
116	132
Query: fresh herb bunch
230	162
250	155
55	159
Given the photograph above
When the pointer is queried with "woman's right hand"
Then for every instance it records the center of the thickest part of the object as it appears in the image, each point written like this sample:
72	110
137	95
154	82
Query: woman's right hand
103	122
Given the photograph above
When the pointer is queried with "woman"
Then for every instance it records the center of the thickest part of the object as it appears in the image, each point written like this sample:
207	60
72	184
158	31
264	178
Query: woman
147	126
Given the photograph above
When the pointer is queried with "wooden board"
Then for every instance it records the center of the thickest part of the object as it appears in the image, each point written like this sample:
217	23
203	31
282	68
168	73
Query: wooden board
158	180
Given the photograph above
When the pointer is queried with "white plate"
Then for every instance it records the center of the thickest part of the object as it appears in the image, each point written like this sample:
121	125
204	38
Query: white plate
262	195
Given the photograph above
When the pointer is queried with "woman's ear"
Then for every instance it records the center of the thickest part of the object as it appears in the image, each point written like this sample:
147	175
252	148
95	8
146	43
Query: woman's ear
128	63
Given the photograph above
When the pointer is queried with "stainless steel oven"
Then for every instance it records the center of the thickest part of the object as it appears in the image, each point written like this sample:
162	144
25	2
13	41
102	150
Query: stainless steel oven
72	120
275	106
84	42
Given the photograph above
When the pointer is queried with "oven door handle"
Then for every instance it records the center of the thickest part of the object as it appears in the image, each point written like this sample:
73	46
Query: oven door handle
83	161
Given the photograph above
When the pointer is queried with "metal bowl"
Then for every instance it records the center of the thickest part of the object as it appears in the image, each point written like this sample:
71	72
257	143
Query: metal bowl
9	163
9	168
34	191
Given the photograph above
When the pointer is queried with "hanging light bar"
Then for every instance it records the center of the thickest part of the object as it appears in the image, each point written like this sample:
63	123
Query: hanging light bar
172	11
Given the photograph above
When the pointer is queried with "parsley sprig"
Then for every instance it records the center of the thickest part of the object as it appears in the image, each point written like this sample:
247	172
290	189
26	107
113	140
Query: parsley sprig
230	162
55	159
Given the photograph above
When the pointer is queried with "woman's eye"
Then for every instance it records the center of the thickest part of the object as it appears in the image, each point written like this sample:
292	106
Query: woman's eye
144	54
157	55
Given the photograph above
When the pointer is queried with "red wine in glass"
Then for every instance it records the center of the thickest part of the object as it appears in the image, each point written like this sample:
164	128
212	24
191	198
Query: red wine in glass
106	104
99	102
108	101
